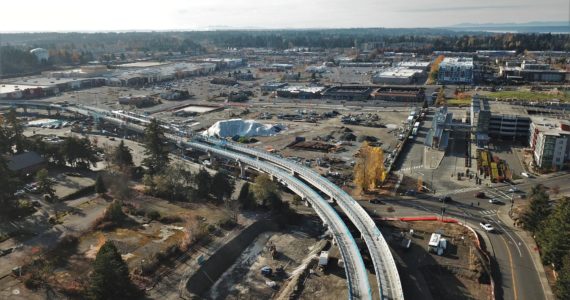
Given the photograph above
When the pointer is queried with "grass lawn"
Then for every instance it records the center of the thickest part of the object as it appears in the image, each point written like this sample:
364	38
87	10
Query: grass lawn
529	96
459	102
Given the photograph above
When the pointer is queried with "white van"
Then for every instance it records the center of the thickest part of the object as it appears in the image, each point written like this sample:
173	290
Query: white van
525	174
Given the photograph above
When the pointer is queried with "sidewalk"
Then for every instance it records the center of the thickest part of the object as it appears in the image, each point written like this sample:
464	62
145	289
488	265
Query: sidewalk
532	249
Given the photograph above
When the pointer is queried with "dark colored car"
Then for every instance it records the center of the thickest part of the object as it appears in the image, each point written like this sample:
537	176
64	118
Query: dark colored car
445	199
480	195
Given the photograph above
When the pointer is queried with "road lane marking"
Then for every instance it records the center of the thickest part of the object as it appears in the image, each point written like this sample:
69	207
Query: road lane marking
512	268
508	234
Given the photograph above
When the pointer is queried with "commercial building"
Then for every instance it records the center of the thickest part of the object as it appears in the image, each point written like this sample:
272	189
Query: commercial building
456	70
419	65
312	92
533	72
272	86
550	142
352	92
397	75
399	94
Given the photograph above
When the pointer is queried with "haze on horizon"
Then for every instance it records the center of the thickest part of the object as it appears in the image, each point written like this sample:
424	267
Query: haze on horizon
107	15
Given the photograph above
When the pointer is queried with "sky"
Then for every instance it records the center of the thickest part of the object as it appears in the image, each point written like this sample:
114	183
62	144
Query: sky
118	15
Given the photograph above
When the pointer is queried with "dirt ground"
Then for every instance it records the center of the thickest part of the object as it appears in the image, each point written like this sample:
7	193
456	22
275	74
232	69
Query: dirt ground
457	274
297	248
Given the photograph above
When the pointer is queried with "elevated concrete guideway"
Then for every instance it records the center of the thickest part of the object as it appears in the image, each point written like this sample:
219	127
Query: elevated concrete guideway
356	273
384	265
357	276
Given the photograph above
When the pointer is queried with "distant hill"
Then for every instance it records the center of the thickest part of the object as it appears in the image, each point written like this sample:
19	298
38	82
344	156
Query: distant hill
528	27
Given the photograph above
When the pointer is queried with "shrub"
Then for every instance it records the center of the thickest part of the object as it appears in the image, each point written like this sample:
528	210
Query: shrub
170	219
153	215
227	223
88	190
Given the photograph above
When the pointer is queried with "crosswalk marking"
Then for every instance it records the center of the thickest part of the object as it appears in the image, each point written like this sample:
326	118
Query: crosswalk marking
412	168
489	212
463	190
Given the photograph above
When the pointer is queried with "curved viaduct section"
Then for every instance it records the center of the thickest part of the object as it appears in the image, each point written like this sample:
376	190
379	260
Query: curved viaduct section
384	265
357	276
359	287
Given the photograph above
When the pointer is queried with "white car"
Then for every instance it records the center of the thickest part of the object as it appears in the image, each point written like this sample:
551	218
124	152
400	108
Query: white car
487	227
512	190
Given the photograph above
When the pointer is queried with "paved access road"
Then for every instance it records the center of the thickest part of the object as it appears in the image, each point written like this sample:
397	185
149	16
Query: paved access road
519	276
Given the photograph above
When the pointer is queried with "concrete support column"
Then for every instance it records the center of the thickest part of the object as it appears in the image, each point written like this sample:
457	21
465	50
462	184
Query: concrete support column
212	157
241	169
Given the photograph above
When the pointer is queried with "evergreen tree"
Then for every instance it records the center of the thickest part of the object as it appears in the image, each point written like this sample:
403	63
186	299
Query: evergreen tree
538	209
110	278
554	236
45	184
16	131
222	186
562	288
100	187
122	156
156	151
8	184
264	188
203	182
245	197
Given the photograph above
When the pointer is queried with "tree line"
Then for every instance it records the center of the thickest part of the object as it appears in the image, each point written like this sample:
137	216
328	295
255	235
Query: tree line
550	226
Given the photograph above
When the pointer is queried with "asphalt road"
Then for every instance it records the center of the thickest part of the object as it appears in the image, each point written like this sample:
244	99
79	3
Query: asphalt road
517	273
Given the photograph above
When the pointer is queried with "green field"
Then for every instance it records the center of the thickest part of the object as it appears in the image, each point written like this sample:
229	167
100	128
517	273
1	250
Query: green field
529	96
459	102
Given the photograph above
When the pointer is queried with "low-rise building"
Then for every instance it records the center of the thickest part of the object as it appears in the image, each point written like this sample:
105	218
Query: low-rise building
26	163
533	72
351	92
272	86
399	94
311	92
397	75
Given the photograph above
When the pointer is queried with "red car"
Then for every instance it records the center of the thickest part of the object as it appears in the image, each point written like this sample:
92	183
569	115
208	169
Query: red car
480	195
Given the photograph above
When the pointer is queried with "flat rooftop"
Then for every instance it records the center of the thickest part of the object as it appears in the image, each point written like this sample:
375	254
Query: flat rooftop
398	72
39	81
9	88
551	126
142	64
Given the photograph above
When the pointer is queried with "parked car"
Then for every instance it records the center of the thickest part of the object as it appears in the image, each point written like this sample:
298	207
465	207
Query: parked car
487	227
496	201
480	195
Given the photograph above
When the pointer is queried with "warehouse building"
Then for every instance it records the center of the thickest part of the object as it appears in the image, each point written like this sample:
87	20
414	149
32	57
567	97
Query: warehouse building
350	93
397	75
300	92
399	94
